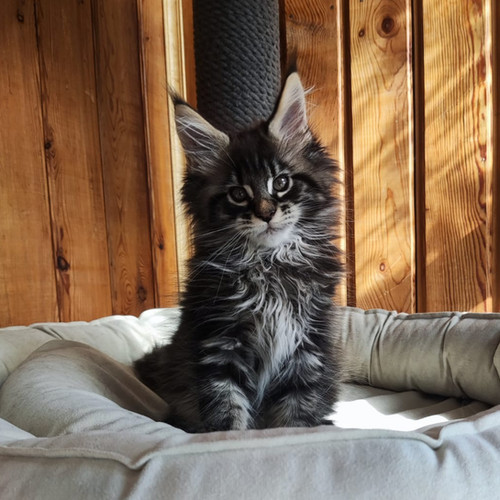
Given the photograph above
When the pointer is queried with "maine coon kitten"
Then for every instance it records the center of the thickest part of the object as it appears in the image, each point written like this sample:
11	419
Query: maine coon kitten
255	346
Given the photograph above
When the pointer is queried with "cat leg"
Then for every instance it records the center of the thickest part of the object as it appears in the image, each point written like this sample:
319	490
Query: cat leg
225	384
303	393
224	406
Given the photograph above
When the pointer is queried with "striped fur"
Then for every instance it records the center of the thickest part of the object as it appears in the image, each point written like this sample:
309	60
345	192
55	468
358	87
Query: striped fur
256	343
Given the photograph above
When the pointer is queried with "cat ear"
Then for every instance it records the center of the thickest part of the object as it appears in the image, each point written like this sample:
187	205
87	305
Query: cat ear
201	141
289	121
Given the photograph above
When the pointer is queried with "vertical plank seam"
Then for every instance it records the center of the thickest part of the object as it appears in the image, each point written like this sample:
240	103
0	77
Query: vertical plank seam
419	158
411	152
345	100
495	142
490	171
43	110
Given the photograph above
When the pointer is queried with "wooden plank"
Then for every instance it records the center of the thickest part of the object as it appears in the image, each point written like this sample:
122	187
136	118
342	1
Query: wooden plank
314	35
458	156
189	64
123	154
27	281
158	147
73	160
177	15
382	138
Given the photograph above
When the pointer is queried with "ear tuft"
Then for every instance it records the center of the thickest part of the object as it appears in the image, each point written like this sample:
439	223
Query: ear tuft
289	122
200	140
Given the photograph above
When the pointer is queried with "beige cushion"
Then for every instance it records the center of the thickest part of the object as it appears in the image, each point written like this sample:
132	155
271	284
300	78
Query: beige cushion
76	423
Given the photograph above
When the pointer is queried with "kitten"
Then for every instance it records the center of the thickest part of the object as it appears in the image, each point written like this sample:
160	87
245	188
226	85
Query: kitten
255	346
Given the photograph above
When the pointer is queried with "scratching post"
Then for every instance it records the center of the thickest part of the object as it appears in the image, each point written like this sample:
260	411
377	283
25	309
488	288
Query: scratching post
237	53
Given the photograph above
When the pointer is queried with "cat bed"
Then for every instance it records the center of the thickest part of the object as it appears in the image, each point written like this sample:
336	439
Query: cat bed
419	418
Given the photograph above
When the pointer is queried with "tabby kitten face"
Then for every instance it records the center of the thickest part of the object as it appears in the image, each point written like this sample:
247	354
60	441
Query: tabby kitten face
263	188
263	207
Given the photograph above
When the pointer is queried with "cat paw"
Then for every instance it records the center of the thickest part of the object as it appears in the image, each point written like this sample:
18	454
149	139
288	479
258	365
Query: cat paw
233	421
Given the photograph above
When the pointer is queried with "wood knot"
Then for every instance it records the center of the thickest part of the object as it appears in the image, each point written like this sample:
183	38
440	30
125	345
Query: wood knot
47	145
382	267
387	24
20	16
62	263
142	294
361	33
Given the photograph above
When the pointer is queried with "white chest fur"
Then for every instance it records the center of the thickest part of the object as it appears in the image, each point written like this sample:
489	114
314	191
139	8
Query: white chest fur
279	316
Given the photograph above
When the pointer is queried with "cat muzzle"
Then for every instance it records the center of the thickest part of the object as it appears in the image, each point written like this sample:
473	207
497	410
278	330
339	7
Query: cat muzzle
265	209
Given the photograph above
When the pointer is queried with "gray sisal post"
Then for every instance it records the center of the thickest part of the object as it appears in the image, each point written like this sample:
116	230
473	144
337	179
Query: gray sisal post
237	52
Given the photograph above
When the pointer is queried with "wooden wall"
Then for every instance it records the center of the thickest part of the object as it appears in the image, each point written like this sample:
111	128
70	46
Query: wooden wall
404	94
88	218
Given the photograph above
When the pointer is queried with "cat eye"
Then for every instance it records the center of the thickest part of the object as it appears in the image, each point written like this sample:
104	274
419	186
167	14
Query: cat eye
281	183
238	194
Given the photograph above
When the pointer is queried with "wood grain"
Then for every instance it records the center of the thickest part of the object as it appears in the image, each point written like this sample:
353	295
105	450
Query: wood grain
72	151
382	139
177	15
123	153
458	156
91	168
315	37
158	147
189	63
27	281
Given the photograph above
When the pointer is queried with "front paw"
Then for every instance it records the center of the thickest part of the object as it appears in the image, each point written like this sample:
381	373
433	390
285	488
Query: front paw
288	413
224	407
236	419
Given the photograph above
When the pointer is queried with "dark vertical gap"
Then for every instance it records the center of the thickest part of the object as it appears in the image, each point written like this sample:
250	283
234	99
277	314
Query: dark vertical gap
94	13
345	39
47	145
495	62
419	159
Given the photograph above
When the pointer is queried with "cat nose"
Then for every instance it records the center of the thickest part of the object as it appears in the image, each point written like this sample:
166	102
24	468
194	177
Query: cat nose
267	216
265	210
